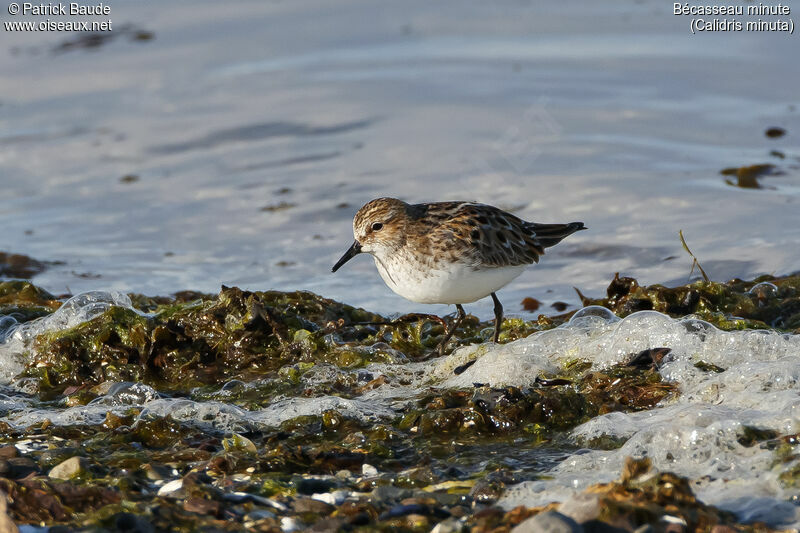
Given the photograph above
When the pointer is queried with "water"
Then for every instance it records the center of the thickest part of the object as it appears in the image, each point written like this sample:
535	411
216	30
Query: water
250	133
610	114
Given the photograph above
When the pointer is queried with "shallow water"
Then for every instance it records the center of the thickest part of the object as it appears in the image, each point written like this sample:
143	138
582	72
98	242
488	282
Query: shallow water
250	133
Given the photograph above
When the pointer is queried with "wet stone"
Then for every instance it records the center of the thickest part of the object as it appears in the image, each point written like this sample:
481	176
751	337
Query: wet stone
548	522
389	493
202	506
130	523
72	467
450	525
581	507
309	486
18	467
8	451
311	505
597	526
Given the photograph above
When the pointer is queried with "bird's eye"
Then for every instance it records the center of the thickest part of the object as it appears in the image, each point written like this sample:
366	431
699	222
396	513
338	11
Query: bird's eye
377	226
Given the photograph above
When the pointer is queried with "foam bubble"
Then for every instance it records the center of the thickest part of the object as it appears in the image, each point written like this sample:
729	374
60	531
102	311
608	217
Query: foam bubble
754	383
16	339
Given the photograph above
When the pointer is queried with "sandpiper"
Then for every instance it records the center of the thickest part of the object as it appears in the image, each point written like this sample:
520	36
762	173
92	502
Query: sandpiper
449	252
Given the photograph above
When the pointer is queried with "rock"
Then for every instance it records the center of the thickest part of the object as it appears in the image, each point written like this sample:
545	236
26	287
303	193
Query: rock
419	509
309	486
239	443
173	489
333	498
451	525
50	458
258	514
18	467
368	470
722	529
327	525
548	522
6	524
581	507
9	451
130	523
155	472
72	467
202	506
597	526
389	493
311	505
290	524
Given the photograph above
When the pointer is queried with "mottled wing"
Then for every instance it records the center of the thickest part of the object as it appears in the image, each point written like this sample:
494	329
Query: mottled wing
500	238
476	234
483	235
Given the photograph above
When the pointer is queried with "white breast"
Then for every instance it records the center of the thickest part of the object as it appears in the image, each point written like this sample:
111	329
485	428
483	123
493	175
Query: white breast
450	283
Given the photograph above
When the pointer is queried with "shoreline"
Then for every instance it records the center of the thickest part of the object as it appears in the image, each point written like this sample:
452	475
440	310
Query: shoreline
283	410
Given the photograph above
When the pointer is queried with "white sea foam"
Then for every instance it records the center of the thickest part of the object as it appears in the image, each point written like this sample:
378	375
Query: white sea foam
16	339
697	434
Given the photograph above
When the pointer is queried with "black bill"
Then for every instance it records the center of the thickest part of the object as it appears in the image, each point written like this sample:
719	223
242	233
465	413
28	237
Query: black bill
348	255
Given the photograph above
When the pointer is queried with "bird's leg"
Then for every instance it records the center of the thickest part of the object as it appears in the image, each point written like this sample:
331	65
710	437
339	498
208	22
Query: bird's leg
452	329
498	317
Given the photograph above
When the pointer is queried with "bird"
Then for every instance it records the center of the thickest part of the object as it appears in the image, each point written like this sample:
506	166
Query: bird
449	252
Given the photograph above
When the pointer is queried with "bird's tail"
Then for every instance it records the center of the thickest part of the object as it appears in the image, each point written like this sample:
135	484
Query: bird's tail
551	234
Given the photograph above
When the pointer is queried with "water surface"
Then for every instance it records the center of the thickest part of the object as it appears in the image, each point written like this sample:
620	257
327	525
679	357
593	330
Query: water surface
234	146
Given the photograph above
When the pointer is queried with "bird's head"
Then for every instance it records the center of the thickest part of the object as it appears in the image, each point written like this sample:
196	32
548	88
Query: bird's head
378	228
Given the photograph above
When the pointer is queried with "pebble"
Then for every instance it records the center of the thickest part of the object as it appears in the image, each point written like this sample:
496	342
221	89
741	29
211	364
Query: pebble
171	489
548	522
69	469
8	451
368	470
289	524
333	498
384	493
581	507
312	485
258	514
158	472
240	497
596	526
451	525
17	467
312	505
202	506
131	523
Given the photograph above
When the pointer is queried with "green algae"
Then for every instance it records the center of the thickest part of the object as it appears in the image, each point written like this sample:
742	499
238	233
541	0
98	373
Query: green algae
251	349
763	303
24	301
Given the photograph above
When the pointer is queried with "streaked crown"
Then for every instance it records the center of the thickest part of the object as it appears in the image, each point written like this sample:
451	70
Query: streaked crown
379	224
